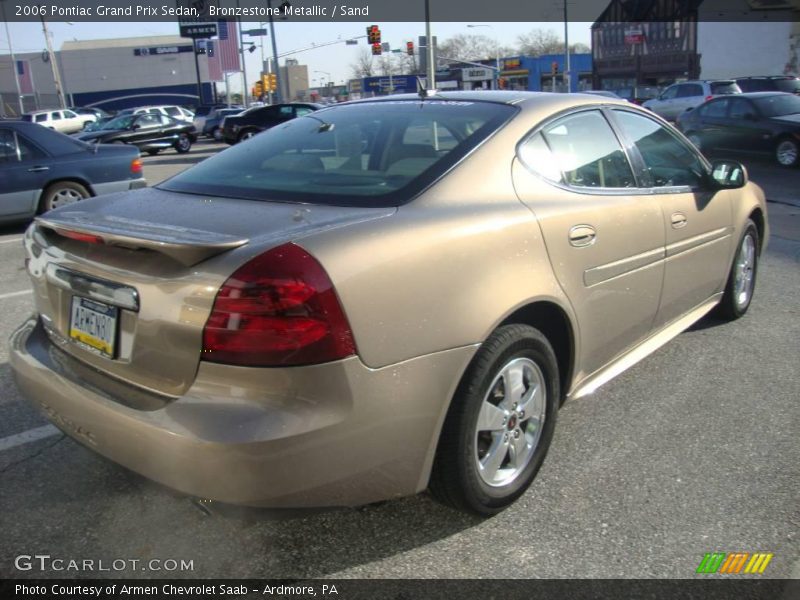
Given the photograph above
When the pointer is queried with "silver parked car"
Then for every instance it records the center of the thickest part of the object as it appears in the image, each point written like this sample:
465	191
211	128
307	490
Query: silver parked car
680	97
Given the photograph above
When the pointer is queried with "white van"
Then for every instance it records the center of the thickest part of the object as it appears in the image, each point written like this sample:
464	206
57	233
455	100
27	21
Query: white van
65	121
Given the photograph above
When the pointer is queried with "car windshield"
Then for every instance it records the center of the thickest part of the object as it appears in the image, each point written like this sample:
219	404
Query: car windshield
788	85
779	105
121	122
362	154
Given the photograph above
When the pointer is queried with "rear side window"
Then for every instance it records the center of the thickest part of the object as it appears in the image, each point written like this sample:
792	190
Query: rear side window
374	154
715	109
753	85
740	108
587	152
724	87
173	111
41	118
8	146
535	155
690	90
56	116
669	161
788	85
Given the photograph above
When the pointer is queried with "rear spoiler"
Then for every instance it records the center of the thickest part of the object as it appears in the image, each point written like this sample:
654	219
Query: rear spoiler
185	245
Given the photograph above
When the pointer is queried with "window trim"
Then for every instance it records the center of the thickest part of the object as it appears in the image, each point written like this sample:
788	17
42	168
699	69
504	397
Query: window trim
638	190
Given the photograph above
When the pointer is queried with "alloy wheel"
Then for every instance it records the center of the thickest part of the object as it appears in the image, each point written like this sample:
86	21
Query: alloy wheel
745	267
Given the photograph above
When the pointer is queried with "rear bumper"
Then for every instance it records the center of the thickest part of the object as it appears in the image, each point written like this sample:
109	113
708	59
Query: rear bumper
337	434
119	186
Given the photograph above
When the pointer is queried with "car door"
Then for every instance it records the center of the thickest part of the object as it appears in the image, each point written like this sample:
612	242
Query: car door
56	121
689	95
604	235
24	170
697	221
748	129
711	123
72	122
146	129
663	105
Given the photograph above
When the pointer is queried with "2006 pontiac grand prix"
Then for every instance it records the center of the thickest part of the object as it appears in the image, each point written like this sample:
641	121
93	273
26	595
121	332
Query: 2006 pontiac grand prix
382	296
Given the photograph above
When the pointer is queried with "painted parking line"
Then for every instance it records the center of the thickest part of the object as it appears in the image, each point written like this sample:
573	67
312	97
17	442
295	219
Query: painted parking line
26	437
14	294
11	241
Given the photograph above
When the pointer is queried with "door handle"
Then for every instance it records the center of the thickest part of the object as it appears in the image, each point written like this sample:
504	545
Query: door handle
678	220
38	169
582	235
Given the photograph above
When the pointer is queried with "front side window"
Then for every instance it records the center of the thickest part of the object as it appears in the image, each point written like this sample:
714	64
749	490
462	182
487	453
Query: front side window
690	90
147	121
587	152
741	109
56	116
41	118
669	161
173	111
366	154
670	93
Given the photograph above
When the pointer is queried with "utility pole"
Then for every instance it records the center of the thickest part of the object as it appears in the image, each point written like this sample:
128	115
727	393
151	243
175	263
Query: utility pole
13	63
52	57
197	71
245	91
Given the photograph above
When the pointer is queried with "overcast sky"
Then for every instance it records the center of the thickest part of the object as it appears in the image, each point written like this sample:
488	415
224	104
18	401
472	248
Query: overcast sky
336	59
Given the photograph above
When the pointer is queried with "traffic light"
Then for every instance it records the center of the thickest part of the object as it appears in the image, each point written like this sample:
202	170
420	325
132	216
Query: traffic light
265	82
554	68
377	49
410	48
258	89
502	83
273	82
373	34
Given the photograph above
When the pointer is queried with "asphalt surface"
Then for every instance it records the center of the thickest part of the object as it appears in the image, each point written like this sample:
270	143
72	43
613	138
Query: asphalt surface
693	450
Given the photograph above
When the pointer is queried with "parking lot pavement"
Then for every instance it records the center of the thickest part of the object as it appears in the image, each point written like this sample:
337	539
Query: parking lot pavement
693	450
168	163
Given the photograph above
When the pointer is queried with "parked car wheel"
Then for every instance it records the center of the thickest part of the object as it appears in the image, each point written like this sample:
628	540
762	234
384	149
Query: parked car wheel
216	134
62	193
184	144
742	278
695	139
500	424
246	135
787	152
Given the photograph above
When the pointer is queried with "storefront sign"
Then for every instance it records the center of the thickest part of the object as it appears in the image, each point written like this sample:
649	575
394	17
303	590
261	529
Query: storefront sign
477	74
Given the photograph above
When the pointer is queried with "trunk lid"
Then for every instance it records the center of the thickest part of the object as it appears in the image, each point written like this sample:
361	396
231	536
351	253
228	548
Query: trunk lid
157	259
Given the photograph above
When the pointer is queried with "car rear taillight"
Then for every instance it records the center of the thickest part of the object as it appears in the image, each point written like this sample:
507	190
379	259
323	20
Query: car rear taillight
136	166
280	308
709	98
80	236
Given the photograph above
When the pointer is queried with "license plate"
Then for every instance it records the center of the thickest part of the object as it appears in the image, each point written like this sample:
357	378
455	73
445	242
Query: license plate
94	324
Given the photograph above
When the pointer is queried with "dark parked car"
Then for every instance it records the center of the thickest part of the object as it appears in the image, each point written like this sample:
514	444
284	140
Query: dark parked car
150	132
639	94
42	169
754	122
212	124
770	83
246	125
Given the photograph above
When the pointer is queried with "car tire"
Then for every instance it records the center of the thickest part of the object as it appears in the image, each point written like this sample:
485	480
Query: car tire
62	193
153	152
695	139
787	152
742	277
493	442
246	135
184	144
216	134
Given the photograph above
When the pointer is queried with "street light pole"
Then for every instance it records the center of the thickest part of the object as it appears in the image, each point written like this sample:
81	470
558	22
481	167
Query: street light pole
431	68
278	79
567	76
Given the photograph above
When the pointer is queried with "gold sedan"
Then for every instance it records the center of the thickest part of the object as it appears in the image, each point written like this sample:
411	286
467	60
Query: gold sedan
382	296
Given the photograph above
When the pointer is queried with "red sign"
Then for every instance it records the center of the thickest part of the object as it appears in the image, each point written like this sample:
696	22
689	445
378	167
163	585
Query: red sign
634	36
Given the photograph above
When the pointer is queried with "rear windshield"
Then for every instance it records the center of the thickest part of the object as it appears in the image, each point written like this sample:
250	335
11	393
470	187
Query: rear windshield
28	118
788	85
724	87
778	105
361	154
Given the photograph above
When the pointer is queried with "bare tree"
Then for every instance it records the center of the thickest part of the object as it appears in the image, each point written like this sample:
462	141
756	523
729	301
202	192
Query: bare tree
579	48
472	48
363	67
540	41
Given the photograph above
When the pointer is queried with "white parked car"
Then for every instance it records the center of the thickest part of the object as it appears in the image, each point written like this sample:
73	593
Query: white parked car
680	97
169	110
64	121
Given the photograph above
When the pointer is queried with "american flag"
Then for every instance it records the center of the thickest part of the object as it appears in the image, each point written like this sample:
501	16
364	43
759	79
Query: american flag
227	48
212	53
24	77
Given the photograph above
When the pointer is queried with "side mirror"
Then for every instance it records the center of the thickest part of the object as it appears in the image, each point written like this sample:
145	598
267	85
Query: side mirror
728	174
135	126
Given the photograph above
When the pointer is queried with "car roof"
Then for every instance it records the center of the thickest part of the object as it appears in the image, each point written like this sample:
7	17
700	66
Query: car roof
766	94
768	77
